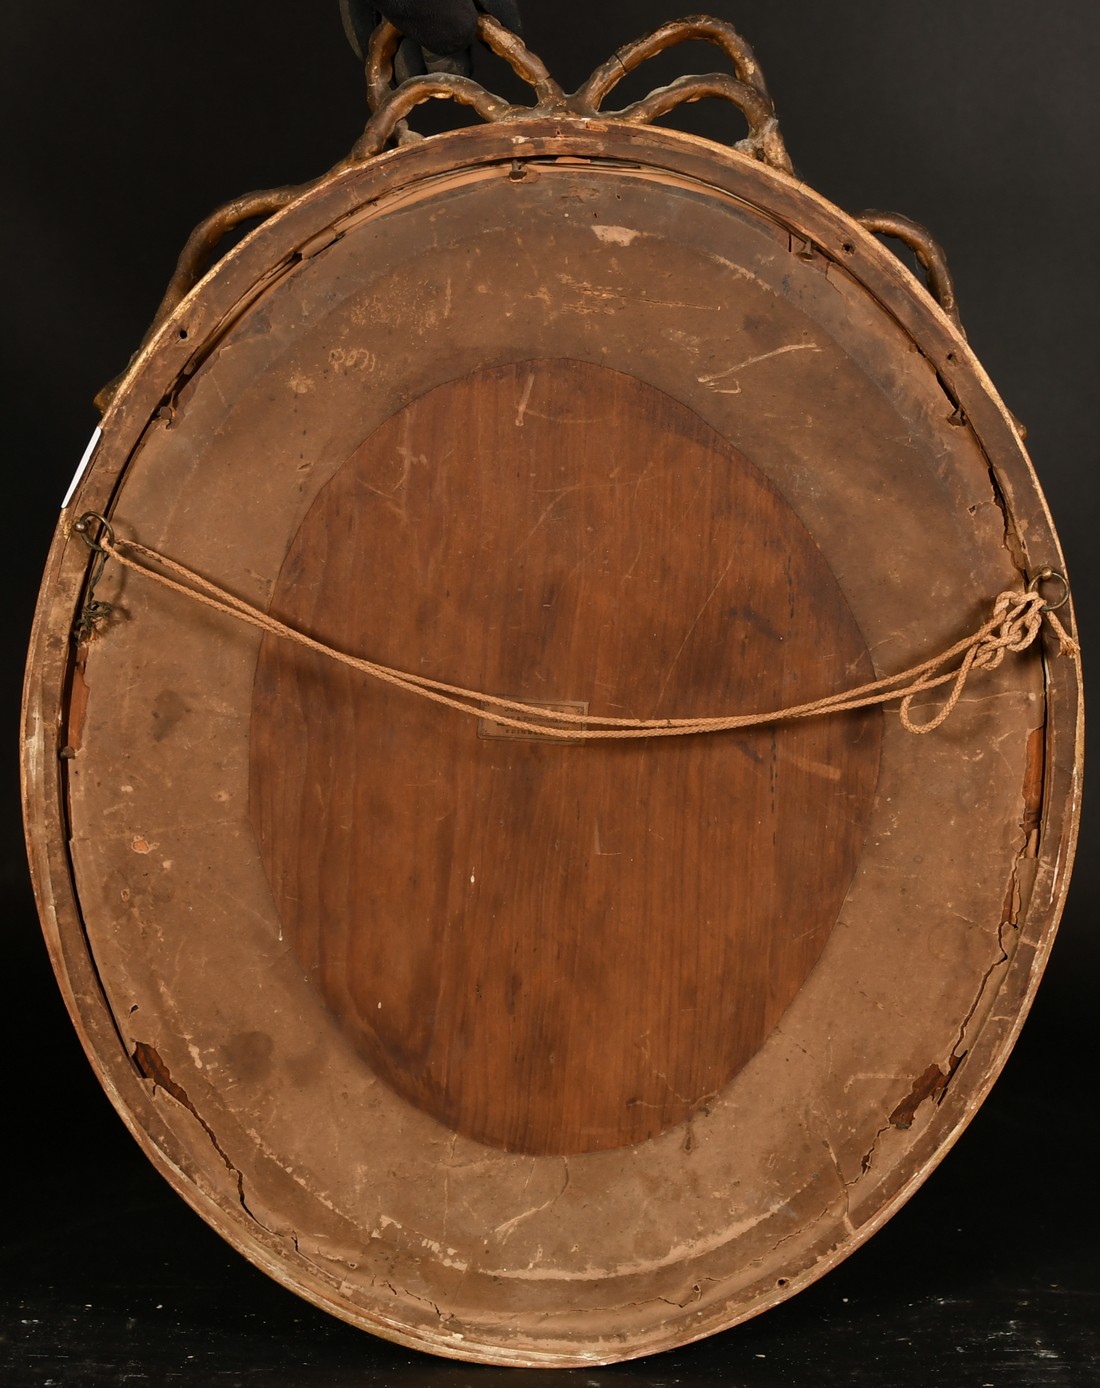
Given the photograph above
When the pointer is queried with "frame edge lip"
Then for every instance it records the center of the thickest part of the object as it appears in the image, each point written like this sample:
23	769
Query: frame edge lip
44	702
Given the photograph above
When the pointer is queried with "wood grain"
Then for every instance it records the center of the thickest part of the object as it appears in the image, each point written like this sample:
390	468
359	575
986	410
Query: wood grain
552	948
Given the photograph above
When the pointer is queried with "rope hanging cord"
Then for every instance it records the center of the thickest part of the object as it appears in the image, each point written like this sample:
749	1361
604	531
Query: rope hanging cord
1015	624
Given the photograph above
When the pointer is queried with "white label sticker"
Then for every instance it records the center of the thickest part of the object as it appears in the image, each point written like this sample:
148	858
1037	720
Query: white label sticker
83	465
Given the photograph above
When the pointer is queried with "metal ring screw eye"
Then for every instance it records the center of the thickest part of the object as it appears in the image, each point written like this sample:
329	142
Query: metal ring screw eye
102	527
93	529
1050	576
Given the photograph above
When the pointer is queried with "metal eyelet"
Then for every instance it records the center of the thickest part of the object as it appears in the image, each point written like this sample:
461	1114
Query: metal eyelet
84	528
1050	576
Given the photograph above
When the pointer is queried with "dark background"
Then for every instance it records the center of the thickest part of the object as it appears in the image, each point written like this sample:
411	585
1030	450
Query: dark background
124	122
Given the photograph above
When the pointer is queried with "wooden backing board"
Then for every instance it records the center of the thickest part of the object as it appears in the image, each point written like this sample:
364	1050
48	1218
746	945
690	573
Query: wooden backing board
516	1051
557	948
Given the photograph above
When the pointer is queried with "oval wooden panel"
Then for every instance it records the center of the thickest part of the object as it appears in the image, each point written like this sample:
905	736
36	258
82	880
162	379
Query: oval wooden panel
558	948
518	1051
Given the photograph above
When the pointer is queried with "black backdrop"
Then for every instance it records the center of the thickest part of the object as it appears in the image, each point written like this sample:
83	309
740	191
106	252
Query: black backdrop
123	122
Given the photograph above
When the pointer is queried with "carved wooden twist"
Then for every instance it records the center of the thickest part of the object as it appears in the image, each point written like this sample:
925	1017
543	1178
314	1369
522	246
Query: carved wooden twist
390	106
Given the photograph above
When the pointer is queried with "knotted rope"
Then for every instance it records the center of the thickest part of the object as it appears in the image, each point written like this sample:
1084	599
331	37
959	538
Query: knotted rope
1014	625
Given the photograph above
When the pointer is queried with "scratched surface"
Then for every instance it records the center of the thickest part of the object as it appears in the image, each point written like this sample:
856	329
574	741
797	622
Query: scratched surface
558	948
280	1130
116	1282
